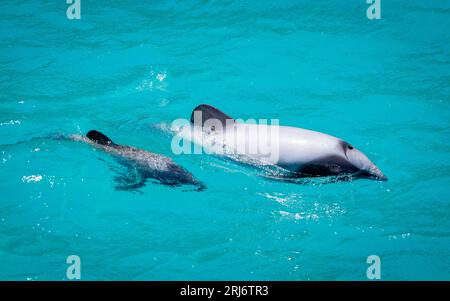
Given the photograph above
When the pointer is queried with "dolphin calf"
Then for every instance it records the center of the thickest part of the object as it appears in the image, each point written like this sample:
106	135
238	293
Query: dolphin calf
142	165
304	153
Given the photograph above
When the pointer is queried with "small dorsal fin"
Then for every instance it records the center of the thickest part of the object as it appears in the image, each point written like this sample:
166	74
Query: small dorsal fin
209	112
99	138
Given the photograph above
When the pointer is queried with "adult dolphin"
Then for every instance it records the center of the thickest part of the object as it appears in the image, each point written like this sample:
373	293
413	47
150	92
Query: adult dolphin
304	153
141	165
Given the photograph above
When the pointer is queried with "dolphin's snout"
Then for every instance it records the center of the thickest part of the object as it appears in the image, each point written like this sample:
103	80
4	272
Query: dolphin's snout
377	174
367	168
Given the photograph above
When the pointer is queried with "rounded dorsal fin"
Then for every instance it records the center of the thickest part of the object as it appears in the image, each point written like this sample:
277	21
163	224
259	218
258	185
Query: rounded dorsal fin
209	112
99	138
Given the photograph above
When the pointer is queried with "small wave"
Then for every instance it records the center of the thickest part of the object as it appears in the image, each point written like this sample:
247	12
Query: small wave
299	215
32	178
157	81
10	122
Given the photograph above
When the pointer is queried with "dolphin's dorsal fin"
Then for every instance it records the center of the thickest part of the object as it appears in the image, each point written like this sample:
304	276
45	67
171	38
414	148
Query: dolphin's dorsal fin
99	138
209	112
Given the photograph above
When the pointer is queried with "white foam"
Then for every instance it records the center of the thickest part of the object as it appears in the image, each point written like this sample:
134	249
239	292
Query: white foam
31	178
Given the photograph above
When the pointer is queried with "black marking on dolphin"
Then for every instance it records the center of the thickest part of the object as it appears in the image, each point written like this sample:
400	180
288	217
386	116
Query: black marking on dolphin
141	166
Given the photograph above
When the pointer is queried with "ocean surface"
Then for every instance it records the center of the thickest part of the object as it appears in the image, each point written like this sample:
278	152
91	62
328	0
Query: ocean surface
129	68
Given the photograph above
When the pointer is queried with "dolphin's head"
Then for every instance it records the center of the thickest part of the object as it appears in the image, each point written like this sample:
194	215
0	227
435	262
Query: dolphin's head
365	167
99	138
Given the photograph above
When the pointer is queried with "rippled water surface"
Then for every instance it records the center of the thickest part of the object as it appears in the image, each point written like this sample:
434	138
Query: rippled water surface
129	68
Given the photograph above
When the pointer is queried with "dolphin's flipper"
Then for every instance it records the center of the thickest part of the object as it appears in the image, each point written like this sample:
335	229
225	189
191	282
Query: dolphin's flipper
130	180
128	177
209	112
127	184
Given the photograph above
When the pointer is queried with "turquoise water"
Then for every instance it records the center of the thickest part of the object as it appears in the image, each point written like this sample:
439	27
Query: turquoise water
129	68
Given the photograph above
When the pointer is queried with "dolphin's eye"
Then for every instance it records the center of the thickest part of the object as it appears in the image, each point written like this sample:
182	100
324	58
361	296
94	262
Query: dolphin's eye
350	147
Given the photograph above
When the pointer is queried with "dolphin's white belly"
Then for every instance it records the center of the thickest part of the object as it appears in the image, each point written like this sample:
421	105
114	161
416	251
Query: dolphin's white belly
284	146
300	146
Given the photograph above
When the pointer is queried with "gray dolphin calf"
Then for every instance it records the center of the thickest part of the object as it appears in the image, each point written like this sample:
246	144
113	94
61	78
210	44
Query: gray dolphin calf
142	165
304	153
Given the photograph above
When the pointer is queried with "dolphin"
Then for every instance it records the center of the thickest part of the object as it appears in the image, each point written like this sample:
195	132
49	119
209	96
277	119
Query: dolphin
142	165
303	153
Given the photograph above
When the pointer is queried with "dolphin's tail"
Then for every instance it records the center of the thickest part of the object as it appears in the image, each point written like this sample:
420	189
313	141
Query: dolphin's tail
99	138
